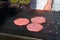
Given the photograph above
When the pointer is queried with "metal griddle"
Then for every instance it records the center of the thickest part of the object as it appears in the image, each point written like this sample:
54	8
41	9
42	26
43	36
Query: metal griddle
52	24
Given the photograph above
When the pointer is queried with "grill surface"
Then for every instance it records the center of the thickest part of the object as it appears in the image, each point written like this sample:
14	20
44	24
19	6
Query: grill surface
51	27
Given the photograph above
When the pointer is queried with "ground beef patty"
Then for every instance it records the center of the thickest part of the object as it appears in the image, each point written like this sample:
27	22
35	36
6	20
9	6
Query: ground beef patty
34	27
38	20
21	21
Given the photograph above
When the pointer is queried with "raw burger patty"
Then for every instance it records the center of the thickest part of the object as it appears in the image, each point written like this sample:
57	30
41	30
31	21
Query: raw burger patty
38	19
21	21
34	27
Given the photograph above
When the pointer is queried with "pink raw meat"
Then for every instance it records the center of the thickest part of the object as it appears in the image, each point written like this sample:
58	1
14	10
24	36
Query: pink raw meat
38	20
21	21
34	27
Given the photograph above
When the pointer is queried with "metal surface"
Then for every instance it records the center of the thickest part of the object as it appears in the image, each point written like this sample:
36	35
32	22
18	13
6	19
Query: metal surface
4	36
51	29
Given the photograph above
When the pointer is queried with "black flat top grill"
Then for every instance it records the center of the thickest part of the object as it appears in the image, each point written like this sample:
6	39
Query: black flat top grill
52	23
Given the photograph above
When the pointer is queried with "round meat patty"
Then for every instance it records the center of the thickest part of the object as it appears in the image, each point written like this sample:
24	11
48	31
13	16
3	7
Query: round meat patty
38	20
21	21
34	27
